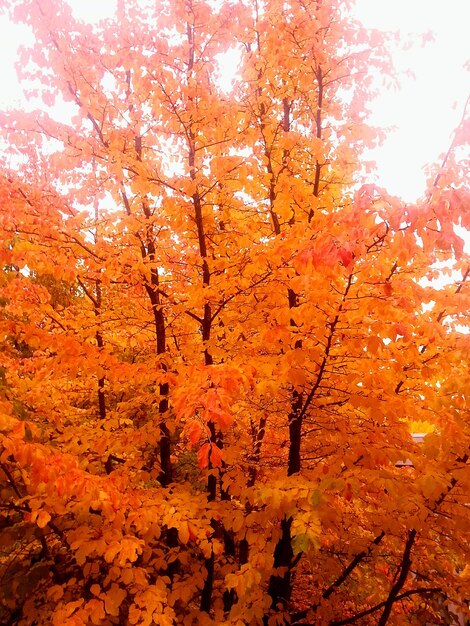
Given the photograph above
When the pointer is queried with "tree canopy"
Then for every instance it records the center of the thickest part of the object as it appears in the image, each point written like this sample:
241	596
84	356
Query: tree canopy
215	342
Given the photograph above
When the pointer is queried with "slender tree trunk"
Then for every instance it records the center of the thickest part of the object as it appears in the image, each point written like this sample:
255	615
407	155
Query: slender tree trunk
206	321
148	251
101	383
280	585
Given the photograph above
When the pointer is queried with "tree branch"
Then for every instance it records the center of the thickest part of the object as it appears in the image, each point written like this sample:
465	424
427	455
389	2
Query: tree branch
404	570
342	577
406	594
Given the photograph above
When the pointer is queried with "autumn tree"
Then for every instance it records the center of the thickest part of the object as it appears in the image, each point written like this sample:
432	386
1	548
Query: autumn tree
216	342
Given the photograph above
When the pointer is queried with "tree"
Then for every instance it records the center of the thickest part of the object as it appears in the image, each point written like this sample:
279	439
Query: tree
214	344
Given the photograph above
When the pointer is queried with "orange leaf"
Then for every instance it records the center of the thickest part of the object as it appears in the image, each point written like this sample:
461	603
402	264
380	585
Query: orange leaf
215	456
42	518
203	456
193	431
96	609
113	599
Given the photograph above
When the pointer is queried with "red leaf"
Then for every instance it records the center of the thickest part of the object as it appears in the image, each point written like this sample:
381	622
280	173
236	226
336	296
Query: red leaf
203	456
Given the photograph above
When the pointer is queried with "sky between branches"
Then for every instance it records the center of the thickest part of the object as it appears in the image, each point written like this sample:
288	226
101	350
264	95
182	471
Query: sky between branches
423	112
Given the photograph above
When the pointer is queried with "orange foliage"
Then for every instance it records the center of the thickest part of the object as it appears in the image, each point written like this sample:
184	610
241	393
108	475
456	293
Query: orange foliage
215	342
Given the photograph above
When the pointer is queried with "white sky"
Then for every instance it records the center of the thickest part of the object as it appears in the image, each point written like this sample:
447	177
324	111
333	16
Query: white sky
424	111
428	107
